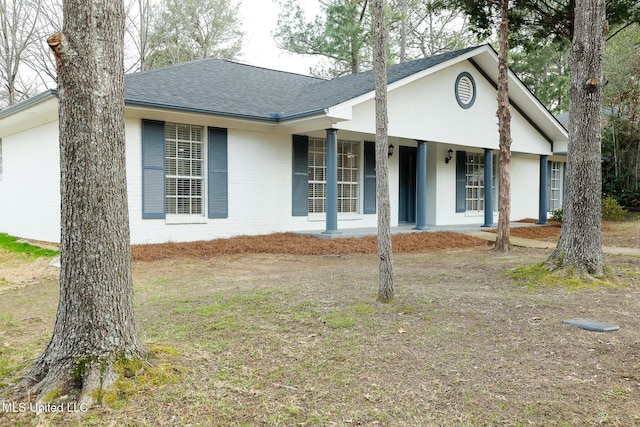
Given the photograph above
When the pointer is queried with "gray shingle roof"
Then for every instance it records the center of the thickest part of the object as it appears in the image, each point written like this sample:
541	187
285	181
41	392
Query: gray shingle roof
223	87
216	86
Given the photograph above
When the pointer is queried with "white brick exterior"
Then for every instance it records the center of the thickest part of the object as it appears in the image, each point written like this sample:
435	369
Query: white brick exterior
260	199
260	162
30	186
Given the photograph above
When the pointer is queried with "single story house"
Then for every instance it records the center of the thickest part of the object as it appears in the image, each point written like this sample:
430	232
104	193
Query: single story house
217	148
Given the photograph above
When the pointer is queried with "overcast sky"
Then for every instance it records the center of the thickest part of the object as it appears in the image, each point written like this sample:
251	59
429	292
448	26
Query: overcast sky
260	18
259	22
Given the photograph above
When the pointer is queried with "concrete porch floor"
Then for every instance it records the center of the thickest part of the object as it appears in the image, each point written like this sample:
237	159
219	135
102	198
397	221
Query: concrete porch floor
408	228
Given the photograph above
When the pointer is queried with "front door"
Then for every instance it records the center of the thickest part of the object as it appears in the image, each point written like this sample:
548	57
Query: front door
407	180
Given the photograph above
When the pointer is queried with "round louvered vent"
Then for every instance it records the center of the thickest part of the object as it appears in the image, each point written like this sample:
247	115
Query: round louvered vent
465	90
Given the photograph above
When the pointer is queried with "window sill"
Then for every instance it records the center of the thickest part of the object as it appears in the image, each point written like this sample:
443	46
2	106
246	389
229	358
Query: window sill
477	213
185	219
341	217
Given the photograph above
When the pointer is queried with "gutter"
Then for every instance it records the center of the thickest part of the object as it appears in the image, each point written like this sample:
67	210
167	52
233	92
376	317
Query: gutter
273	117
34	100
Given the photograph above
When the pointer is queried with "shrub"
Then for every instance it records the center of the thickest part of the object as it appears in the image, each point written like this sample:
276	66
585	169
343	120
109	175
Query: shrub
611	209
630	199
556	215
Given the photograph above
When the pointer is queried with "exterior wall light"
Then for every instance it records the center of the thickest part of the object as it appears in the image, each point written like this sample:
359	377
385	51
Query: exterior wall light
449	156
390	149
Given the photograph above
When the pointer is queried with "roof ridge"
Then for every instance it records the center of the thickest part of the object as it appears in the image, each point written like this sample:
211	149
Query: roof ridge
164	67
271	69
210	59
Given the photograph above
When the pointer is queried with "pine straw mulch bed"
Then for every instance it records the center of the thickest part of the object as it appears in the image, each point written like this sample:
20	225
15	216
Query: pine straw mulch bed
294	244
550	232
542	232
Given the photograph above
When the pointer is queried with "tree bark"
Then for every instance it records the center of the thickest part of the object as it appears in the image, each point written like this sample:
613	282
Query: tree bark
95	324
579	249
404	23
385	253
504	125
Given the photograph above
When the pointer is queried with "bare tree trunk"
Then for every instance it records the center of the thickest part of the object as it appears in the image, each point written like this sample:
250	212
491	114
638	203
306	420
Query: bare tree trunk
504	124
145	27
18	31
403	29
579	249
40	59
138	29
385	252
95	324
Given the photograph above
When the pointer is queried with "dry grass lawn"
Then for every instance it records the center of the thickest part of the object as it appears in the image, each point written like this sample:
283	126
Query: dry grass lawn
243	336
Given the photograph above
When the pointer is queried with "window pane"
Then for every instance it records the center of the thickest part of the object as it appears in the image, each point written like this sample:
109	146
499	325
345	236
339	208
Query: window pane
196	149
196	205
171	205
184	167
196	168
171	149
171	186
184	132
183	206
197	188
196	133
171	167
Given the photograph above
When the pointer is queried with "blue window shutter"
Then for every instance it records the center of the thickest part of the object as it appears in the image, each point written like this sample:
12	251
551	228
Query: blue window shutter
153	170
461	181
369	177
218	188
300	180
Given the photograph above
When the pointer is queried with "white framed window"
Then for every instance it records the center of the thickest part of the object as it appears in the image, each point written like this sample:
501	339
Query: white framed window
474	175
317	175
348	176
555	181
184	169
0	159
